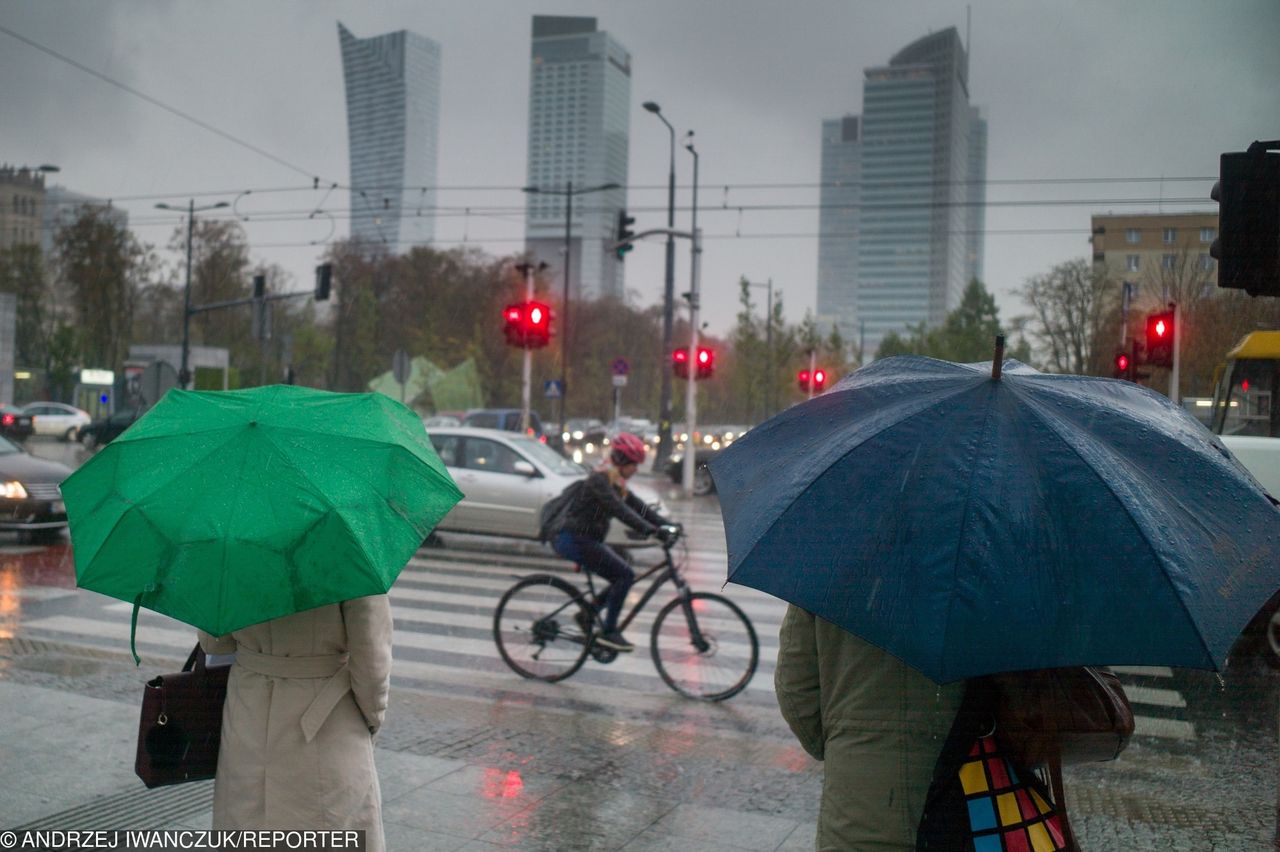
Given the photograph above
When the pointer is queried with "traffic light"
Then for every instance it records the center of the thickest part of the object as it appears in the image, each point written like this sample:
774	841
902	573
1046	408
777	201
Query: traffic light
537	325
527	324
706	363
324	277
802	379
624	235
259	286
1160	339
1122	366
680	362
819	379
1248	245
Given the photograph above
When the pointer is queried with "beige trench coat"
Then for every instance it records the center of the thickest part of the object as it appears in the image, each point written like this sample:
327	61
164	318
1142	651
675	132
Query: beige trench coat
877	724
306	695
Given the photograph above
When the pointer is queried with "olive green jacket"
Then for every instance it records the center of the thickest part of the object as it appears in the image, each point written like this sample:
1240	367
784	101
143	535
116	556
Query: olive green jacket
876	723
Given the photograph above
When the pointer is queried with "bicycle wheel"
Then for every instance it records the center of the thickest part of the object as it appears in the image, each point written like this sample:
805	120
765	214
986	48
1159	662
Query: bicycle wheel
535	629
722	665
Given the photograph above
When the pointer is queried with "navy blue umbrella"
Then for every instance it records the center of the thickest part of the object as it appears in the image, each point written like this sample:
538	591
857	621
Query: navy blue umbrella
971	523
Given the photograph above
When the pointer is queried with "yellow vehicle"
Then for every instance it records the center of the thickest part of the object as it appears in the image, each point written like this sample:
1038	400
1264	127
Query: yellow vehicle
1248	421
1246	386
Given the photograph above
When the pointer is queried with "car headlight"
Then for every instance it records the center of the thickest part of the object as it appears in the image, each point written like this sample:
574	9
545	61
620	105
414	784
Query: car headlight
577	435
13	490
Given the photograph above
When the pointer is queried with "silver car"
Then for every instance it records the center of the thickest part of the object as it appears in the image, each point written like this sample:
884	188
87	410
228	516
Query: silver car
506	477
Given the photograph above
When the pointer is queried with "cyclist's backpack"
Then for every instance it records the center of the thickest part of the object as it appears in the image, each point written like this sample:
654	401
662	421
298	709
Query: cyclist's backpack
556	511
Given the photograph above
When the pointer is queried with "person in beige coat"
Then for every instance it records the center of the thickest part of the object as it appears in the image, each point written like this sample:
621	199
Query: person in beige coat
877	724
306	694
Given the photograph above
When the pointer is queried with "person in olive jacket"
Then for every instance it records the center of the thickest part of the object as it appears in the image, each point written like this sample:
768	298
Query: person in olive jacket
604	496
877	724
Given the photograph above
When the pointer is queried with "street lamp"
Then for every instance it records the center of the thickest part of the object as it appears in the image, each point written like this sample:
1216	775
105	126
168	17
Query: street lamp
668	297
184	375
568	192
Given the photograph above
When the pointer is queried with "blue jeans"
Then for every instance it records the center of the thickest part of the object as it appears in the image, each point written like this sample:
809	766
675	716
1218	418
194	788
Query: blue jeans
598	558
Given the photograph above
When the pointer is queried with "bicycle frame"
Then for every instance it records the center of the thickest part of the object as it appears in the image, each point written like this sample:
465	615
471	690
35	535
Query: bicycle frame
666	570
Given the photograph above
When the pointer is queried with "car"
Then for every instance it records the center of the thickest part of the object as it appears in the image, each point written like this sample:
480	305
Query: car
441	420
507	419
30	492
703	484
106	429
505	480
15	424
580	431
57	419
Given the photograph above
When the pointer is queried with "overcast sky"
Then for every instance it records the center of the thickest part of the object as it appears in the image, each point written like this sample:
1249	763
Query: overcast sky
1152	89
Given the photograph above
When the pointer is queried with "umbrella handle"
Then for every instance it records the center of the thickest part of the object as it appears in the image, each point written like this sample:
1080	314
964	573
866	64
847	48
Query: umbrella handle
998	361
133	630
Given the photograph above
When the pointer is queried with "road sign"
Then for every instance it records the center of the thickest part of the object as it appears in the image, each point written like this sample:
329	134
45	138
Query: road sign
621	367
619	380
552	389
400	366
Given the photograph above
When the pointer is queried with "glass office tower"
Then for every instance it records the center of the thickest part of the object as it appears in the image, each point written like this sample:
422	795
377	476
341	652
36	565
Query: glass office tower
919	224
838	227
579	123
393	122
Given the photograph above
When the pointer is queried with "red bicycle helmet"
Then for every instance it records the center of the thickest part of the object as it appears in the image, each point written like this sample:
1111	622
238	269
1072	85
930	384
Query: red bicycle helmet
627	448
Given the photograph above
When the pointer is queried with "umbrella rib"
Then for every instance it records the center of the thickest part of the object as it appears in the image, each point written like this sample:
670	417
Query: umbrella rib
1034	407
984	441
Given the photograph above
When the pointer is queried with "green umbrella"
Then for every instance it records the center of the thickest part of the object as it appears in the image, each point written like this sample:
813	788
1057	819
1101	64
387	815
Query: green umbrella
229	508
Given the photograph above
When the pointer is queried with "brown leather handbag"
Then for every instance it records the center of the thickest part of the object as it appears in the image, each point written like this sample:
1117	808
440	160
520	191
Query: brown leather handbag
181	725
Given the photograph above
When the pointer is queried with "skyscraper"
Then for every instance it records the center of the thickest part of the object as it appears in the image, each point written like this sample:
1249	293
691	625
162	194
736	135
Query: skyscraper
920	221
579	125
838	225
393	122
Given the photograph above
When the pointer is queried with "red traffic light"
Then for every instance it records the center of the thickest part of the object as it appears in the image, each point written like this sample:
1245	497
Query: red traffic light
819	379
1122	362
1160	338
680	362
527	324
802	379
706	362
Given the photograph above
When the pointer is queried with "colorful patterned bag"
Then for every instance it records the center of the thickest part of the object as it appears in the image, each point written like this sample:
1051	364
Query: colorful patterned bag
1008	810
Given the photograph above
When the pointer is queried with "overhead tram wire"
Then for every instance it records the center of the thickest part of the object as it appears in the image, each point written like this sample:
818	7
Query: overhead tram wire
159	103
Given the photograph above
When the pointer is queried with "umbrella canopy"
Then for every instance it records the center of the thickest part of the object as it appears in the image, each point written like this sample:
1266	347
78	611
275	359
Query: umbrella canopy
970	524
229	508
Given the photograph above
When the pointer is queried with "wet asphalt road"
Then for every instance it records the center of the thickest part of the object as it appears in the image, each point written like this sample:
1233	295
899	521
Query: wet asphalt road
1201	773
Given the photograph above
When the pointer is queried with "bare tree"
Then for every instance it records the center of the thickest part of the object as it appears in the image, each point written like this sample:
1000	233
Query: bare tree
1073	319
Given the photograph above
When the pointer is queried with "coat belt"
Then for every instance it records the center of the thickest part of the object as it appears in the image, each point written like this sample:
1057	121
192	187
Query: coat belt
331	666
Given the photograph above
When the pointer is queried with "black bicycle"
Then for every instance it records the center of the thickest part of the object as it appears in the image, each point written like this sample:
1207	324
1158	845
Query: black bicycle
702	644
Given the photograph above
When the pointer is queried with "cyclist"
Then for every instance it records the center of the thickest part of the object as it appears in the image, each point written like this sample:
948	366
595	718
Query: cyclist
603	496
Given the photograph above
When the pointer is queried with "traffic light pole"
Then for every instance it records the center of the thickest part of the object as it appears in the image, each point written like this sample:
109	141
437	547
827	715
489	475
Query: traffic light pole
1177	348
691	390
527	381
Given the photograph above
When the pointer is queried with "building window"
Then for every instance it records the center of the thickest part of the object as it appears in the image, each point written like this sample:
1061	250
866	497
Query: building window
1208	235
1132	235
1167	261
1131	262
1170	235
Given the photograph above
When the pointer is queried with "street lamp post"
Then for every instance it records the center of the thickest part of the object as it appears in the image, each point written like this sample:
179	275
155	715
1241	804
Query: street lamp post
668	299
691	395
568	192
184	375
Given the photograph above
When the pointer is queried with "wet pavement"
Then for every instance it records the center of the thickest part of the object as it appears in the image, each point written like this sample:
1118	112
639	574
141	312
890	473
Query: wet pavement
473	757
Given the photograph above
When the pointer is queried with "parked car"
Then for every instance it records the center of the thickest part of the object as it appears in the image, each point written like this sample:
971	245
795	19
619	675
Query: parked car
505	478
506	419
30	492
441	420
703	484
57	419
107	429
15	423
